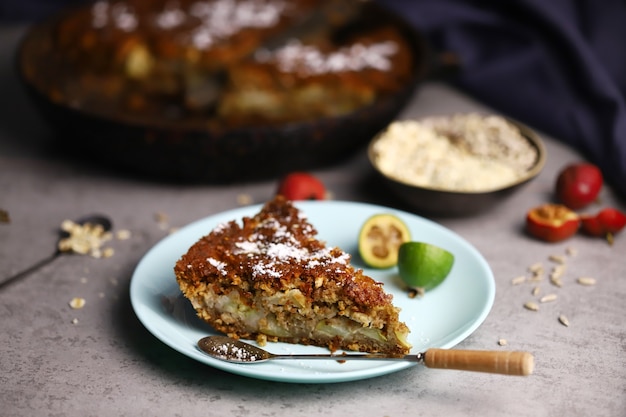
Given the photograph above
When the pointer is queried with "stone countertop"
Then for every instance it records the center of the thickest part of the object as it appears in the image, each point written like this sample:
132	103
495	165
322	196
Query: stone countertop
105	363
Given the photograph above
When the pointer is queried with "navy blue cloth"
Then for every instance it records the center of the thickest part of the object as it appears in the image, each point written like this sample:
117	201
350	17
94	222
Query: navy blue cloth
12	11
557	65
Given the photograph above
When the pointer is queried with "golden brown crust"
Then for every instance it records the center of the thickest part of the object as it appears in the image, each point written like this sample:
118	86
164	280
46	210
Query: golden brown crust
270	276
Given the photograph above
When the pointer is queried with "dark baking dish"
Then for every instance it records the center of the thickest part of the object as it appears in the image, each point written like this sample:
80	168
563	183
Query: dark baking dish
188	153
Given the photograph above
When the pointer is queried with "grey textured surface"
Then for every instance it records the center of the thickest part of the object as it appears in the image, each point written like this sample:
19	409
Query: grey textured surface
107	364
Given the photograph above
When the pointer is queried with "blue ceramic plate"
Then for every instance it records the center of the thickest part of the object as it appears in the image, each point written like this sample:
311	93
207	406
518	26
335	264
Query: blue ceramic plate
442	318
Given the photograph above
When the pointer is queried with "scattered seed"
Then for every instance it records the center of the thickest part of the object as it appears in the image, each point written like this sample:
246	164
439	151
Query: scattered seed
416	292
559	259
108	252
556	281
563	320
559	269
83	280
77	303
586	281
548	298
74	321
161	217
531	306
537	266
162	220
536	291
571	251
555	275
518	280
502	342
244	199
123	234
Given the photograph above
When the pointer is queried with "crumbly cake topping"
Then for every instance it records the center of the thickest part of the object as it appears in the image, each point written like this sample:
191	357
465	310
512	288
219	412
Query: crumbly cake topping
278	248
274	247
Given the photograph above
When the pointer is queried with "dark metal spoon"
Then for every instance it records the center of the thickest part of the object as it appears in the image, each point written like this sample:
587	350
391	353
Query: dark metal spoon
498	362
94	219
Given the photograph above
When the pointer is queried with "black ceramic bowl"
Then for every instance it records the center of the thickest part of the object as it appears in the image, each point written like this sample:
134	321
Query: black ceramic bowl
188	152
439	201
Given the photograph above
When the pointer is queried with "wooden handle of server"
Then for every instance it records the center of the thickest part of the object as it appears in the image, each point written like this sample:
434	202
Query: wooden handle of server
497	362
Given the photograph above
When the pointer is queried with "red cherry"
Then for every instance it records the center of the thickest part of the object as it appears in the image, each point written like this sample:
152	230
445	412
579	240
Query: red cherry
578	185
607	222
301	186
612	219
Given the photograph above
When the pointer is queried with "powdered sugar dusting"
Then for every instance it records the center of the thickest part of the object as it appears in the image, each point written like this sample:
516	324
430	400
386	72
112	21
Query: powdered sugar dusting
220	266
223	18
276	245
230	351
307	60
213	20
121	16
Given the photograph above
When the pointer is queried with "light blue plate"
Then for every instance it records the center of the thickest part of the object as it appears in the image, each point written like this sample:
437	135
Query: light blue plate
442	318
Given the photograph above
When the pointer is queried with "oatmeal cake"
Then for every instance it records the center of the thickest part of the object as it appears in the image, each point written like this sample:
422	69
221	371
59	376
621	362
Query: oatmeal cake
270	278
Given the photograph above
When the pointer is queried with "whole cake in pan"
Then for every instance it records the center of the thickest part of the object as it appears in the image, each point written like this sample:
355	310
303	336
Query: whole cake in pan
206	61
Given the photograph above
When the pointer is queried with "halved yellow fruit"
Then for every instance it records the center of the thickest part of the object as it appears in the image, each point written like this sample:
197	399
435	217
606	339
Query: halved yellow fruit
422	265
380	238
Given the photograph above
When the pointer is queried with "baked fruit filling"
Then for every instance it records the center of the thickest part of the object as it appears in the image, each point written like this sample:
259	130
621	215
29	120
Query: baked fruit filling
270	278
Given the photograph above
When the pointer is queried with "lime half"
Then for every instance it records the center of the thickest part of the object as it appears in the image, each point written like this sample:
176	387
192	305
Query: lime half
422	265
380	238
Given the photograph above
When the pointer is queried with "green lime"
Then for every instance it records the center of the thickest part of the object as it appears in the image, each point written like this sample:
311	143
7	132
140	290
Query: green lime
422	265
379	239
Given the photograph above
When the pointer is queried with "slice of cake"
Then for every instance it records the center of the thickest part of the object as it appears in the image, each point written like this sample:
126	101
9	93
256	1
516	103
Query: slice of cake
269	278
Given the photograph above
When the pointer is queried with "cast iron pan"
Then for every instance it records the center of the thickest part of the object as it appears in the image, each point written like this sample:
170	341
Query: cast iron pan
187	154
